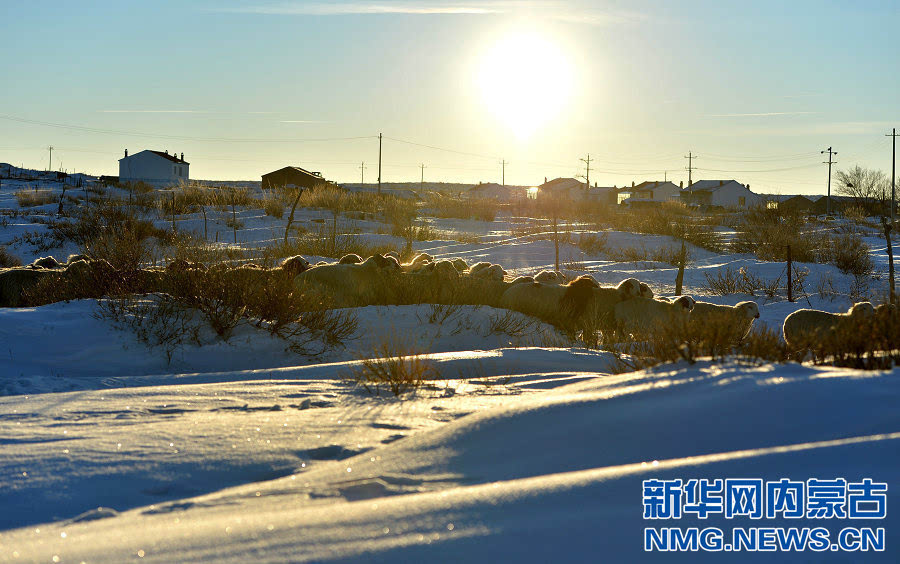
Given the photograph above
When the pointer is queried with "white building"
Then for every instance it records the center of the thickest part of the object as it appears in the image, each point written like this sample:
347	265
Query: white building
153	167
722	194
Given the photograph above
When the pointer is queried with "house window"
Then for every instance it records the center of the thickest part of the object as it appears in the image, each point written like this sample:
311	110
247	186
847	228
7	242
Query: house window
771	205
742	201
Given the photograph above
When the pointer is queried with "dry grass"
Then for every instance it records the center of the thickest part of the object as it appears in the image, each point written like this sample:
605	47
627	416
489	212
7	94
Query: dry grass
395	369
32	198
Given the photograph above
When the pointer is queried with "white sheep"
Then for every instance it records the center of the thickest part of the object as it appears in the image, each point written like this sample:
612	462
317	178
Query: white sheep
550	277
630	287
740	317
351	258
581	301
350	284
522	280
646	291
460	264
487	271
811	324
294	265
642	315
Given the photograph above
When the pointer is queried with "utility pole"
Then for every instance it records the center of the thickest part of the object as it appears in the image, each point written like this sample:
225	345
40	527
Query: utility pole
50	166
893	136
503	164
690	157
829	162
422	181
587	172
379	163
362	173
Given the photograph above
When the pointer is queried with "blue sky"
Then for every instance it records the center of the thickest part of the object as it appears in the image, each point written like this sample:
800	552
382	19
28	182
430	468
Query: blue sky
757	89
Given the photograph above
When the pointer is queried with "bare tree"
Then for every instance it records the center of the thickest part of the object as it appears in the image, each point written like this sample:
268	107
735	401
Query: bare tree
865	185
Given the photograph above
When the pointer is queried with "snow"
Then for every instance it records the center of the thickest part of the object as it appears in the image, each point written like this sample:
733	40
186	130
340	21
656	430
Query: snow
523	451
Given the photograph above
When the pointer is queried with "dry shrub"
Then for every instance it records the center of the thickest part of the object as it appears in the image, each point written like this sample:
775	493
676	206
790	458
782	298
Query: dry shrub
441	205
593	244
7	259
31	198
729	281
159	323
394	368
89	222
273	205
850	254
717	341
768	232
667	255
321	242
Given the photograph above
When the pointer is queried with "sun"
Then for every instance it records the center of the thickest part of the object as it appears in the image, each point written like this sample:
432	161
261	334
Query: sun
525	80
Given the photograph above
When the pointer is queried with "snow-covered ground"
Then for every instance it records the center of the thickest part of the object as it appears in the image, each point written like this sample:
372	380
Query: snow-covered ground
519	451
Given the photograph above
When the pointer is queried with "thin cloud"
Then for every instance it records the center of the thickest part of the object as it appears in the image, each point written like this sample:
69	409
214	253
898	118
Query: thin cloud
300	121
580	14
764	114
153	112
346	9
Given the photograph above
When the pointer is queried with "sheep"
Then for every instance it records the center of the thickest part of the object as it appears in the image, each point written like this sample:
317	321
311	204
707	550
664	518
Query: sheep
444	269
641	315
45	262
805	325
177	265
394	254
14	282
294	265
646	291
522	280
460	264
421	258
550	277
488	271
580	302
73	258
352	258
350	284
739	317
630	287
478	266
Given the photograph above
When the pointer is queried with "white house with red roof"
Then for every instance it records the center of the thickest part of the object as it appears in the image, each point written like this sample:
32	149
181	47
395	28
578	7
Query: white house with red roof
153	167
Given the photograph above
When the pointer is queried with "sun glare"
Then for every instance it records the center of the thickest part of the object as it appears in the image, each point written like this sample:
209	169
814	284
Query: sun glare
525	81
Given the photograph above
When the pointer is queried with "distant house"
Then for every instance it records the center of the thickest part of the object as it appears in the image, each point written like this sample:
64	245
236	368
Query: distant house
721	194
838	204
796	203
601	194
650	192
153	167
561	188
494	191
291	177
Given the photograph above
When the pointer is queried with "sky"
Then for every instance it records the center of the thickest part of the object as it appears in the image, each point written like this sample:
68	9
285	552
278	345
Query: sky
243	87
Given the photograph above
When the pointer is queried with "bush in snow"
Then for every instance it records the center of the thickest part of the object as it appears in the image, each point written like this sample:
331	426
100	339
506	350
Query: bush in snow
397	370
8	259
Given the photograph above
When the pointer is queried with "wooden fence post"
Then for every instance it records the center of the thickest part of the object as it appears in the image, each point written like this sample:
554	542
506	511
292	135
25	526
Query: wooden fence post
790	276
679	278
890	252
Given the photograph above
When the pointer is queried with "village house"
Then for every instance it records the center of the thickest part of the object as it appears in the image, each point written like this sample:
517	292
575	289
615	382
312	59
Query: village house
154	167
720	194
494	191
291	177
649	193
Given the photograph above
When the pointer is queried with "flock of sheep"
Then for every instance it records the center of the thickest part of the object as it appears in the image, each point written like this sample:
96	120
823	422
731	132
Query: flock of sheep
628	309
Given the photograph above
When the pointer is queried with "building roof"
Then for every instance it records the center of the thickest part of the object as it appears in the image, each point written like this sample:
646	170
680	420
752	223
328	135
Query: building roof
297	169
652	184
172	158
712	185
562	184
162	154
